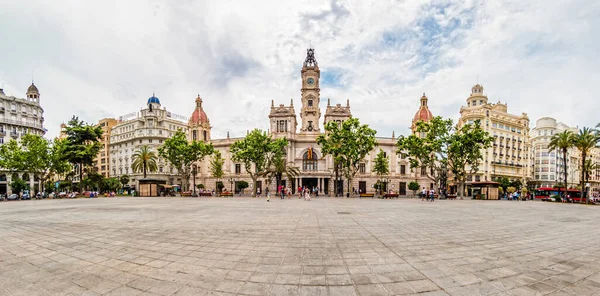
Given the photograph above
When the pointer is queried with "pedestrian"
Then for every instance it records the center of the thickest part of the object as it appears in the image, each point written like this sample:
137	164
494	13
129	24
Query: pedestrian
268	194
423	193
257	192
431	194
300	192
306	194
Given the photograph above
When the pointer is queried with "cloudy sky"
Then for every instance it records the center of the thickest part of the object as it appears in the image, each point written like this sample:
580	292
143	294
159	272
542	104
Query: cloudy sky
101	59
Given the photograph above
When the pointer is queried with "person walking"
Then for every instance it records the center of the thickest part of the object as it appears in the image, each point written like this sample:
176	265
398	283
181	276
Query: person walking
300	192
307	194
423	194
432	194
268	194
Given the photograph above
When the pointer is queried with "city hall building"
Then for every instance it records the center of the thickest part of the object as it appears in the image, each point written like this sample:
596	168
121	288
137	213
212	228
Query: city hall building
316	170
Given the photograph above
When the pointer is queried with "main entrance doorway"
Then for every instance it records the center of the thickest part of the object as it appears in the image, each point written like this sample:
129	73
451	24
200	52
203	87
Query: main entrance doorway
362	186
310	183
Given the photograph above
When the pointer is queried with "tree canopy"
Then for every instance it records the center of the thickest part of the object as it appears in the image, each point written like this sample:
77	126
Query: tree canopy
82	143
348	143
256	152
36	155
562	142
465	151
144	160
181	154
585	140
444	147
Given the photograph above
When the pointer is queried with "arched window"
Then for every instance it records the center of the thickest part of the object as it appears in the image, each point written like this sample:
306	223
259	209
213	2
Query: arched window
309	161
204	136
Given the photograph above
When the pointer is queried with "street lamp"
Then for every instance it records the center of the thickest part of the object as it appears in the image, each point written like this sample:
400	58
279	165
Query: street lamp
231	181
194	172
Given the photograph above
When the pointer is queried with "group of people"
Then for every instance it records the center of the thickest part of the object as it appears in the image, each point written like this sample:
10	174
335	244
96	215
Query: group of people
303	192
428	195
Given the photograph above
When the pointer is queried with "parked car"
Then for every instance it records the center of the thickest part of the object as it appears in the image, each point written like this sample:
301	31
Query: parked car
12	197
26	196
2	197
62	194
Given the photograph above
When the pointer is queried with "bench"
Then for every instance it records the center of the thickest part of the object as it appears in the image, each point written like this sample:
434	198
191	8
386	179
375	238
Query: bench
206	194
450	196
371	195
226	194
186	194
391	195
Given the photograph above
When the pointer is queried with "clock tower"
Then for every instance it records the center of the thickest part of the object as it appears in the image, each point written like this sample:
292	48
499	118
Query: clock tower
310	112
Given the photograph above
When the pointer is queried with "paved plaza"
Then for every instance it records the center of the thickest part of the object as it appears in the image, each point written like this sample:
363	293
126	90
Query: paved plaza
327	246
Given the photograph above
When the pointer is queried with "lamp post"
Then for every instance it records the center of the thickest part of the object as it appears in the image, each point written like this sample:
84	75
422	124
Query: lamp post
194	172
231	181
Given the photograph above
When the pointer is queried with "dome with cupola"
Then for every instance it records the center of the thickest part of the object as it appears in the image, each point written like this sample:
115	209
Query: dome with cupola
423	114
32	89
199	116
153	100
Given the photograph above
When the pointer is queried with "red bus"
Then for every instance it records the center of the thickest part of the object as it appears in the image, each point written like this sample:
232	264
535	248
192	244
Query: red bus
544	193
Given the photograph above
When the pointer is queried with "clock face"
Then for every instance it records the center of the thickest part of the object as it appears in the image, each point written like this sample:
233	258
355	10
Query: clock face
310	81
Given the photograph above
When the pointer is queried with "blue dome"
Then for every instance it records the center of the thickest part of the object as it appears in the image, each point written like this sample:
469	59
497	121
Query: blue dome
154	100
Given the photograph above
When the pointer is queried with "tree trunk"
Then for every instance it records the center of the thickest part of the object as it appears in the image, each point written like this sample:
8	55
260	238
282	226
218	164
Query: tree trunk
348	186
80	176
583	156
565	163
144	170
254	185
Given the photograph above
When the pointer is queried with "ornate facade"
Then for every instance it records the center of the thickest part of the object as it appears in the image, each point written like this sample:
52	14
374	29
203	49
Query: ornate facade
149	127
509	155
303	151
20	116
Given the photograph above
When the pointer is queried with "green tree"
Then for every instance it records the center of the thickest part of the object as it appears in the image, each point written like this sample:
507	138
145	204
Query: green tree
34	154
517	184
278	167
413	186
93	181
181	154
464	151
144	160
82	144
504	183
381	166
431	150
256	152
12	157
585	141
589	169
124	179
112	184
562	142
241	185
17	185
216	167
348	143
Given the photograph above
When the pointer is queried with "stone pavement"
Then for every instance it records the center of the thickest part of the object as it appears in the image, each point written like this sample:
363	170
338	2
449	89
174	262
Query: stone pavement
328	246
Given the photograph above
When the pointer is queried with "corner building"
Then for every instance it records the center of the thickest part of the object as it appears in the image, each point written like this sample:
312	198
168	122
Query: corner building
149	127
509	154
18	117
303	151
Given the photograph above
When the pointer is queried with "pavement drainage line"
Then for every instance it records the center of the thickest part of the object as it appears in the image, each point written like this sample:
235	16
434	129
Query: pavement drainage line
369	232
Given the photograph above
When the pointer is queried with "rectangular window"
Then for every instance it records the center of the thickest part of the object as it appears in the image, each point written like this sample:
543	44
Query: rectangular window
403	169
362	168
423	171
238	168
194	135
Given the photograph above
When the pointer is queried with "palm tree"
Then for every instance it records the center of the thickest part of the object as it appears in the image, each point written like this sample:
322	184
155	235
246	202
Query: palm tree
585	141
589	169
278	167
562	142
144	160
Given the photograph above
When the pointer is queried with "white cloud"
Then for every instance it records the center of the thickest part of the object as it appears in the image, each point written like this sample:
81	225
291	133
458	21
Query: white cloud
99	59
